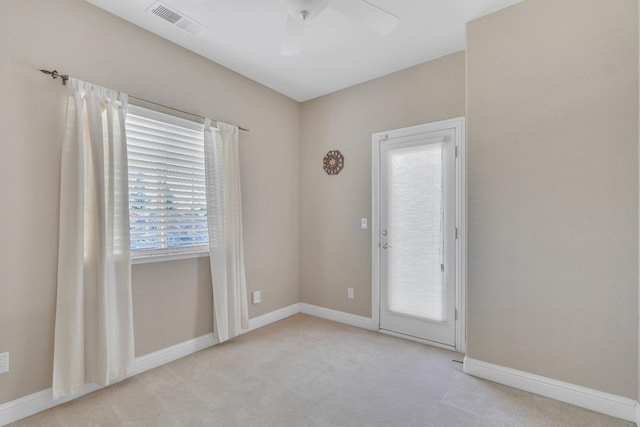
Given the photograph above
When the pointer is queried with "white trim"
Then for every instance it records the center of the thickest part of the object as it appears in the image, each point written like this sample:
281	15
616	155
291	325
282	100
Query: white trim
175	352
594	400
461	242
459	123
337	316
185	348
375	227
37	402
416	339
162	257
42	400
272	317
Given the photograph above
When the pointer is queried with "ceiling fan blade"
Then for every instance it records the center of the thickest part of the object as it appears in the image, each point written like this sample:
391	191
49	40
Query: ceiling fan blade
368	14
293	35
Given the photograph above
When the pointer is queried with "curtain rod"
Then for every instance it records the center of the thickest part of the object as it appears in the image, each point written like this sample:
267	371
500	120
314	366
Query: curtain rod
64	77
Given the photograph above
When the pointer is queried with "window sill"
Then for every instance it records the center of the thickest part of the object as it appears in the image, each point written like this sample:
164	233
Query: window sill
147	259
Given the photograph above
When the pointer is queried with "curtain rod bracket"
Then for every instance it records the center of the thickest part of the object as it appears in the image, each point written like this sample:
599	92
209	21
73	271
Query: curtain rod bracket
55	74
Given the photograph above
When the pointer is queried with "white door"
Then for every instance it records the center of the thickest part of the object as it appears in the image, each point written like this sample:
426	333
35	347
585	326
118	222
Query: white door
415	221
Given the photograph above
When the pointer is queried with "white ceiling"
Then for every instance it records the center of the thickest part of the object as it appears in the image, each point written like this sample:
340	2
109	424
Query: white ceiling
338	52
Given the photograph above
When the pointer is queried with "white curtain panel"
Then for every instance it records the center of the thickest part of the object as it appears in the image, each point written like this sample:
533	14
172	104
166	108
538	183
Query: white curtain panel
224	216
94	319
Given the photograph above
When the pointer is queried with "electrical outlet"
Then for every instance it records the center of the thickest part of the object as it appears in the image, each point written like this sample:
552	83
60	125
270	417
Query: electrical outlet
256	297
350	293
4	362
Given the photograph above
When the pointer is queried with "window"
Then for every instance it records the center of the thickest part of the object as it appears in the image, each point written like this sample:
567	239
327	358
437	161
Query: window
167	198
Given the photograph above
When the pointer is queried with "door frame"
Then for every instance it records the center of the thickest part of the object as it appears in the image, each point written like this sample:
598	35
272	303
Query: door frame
458	124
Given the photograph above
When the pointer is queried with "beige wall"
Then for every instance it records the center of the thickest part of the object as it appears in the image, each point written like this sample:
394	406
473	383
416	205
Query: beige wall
172	301
335	252
552	122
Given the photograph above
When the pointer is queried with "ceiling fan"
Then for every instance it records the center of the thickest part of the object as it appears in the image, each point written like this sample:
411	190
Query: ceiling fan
301	11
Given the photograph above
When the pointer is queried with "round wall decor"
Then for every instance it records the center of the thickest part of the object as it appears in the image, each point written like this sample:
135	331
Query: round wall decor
333	162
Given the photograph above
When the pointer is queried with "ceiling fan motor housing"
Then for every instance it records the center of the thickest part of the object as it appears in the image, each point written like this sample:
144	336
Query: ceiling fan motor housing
305	9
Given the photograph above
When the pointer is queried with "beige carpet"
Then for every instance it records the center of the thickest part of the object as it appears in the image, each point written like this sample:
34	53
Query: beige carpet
305	371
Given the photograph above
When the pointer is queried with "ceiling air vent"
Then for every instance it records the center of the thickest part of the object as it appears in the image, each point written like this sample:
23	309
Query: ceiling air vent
176	18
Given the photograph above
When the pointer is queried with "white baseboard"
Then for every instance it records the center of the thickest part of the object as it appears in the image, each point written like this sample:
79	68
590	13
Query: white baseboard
594	400
43	400
37	402
180	350
272	317
337	316
617	406
175	352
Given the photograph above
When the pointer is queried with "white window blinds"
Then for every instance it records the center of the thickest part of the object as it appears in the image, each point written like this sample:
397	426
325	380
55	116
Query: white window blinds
167	198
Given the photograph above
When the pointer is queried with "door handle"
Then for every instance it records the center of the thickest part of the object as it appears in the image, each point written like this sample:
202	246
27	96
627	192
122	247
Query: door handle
385	245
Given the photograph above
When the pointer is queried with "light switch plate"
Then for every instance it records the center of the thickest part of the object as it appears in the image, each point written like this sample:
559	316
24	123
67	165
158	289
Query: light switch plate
363	223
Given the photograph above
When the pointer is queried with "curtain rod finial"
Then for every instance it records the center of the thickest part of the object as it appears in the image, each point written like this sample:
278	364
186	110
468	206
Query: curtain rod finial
54	75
